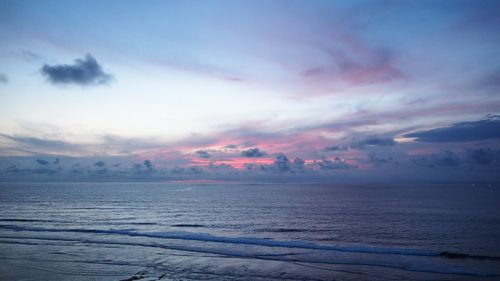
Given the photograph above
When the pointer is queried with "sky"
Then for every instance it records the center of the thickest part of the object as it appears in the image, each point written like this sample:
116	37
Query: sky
357	90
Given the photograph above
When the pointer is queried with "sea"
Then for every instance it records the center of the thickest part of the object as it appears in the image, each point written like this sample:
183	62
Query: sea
226	230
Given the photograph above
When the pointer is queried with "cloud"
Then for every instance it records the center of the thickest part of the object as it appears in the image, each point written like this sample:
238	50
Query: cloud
113	145
203	154
336	148
281	163
299	164
483	156
29	56
445	159
42	162
230	146
193	170
74	168
148	164
369	141
335	164
43	169
378	67
3	78
378	160
86	71
373	141
202	69
144	168
353	61
39	145
220	167
253	153
485	129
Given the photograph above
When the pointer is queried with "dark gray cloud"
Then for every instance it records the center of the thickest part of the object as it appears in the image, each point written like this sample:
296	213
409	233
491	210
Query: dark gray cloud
44	168
203	154
379	160
373	141
444	159
299	164
250	166
42	162
336	148
253	153
369	141
100	169
220	167
3	78
335	164
483	156
76	169
485	129
146	168
282	164
193	170
86	71
230	146
81	168
136	167
148	164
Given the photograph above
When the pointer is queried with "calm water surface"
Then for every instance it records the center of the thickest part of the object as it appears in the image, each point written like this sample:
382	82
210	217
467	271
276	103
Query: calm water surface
235	231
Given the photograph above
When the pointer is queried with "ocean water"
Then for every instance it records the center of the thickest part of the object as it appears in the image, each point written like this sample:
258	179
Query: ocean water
242	231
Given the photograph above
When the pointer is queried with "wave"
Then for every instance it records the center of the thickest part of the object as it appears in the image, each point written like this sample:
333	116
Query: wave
290	257
75	222
297	244
24	220
187	225
283	230
454	255
125	223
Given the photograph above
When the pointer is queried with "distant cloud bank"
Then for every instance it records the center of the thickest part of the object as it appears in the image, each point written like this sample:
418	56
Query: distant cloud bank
466	150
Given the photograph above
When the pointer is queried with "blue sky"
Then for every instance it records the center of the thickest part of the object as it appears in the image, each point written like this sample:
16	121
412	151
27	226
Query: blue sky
354	89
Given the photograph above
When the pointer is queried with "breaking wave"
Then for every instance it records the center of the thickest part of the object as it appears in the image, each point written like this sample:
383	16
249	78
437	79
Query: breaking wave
296	244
